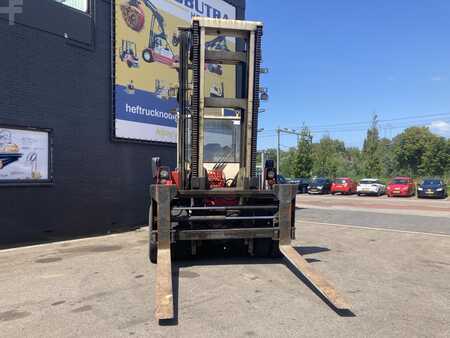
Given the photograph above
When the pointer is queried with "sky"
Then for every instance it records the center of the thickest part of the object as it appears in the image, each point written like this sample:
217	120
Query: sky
333	64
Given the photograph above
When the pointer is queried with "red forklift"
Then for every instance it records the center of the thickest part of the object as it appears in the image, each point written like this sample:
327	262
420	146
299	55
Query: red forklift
214	194
159	49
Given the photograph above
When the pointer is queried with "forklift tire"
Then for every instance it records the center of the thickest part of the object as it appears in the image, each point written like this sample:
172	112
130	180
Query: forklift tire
175	41
276	253
263	247
181	250
147	55
153	252
152	244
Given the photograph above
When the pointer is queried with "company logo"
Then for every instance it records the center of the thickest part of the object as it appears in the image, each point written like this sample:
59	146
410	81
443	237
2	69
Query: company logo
14	7
138	110
201	8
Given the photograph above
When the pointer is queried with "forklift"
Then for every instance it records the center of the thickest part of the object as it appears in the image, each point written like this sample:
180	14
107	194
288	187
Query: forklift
158	49
214	194
128	54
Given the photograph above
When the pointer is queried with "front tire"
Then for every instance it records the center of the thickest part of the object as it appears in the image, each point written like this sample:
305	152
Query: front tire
262	247
152	244
153	252
147	55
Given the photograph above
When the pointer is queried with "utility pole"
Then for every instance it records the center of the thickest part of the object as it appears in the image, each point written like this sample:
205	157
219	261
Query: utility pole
278	150
262	162
286	131
263	178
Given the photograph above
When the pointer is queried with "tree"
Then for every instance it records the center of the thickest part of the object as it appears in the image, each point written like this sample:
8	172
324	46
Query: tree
387	157
352	165
328	156
371	150
409	148
303	160
435	158
287	159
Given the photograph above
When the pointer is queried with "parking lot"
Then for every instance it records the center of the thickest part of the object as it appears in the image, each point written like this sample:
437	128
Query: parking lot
390	258
377	204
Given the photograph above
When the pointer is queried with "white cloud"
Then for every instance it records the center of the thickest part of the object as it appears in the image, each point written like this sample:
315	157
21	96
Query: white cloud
440	127
439	77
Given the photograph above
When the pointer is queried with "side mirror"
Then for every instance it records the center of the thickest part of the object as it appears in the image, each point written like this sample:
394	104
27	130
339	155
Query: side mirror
155	166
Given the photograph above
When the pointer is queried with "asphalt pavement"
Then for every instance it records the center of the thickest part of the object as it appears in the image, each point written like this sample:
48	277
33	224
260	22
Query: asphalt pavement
412	223
397	281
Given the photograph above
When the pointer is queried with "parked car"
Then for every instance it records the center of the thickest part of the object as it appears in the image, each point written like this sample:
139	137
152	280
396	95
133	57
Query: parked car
432	187
344	185
320	185
370	186
302	184
401	186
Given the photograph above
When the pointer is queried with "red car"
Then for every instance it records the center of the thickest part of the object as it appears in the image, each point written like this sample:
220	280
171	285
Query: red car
343	185
401	186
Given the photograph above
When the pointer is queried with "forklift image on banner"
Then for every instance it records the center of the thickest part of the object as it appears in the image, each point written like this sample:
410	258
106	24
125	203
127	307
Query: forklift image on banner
214	195
163	92
159	49
128	54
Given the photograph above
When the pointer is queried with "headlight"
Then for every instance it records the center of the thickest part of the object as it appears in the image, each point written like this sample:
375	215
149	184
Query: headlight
439	189
164	175
420	188
319	187
270	174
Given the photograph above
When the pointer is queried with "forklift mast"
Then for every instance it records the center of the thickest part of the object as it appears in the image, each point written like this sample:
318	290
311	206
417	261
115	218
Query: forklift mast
155	16
195	104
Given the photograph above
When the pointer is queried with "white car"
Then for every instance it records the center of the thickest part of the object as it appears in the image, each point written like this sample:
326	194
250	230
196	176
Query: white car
370	186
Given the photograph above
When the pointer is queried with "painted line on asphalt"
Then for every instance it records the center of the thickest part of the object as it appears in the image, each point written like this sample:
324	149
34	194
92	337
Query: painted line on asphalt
359	227
409	212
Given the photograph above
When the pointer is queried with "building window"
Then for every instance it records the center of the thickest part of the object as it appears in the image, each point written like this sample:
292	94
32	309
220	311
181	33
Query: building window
81	5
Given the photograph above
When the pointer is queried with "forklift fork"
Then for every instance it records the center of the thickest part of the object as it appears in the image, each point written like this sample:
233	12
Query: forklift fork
163	195
292	255
163	294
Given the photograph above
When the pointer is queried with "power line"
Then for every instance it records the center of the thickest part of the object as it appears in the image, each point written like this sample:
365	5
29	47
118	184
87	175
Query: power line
415	117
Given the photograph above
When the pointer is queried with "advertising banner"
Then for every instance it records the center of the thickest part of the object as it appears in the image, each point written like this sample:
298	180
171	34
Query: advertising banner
146	60
24	155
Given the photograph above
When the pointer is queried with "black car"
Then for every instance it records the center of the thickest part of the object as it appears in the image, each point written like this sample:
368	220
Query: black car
302	184
320	185
281	179
432	187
